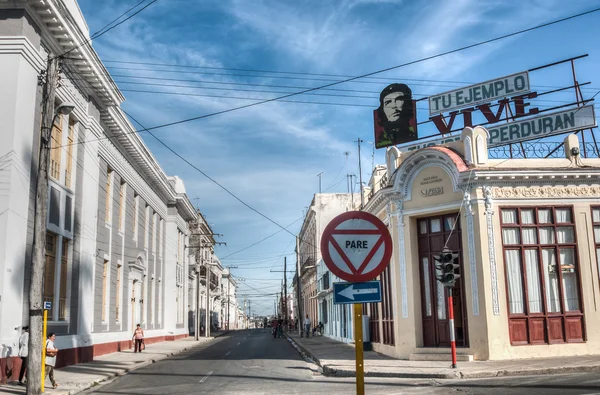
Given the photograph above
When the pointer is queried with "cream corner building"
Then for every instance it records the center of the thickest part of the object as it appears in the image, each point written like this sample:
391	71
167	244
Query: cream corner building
528	235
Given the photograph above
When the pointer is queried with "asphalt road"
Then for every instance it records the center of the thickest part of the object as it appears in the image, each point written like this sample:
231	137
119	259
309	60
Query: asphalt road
252	362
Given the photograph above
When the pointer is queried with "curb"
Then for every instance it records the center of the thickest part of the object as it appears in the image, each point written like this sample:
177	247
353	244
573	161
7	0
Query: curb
332	372
114	375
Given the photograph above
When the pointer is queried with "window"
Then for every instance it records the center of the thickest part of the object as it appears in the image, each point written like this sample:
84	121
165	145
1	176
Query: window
153	230
68	213
54	207
50	270
146	220
70	141
136	202
387	309
122	196
62	301
151	304
542	275
596	222
108	203
159	302
160	244
178	246
118	298
56	148
104	289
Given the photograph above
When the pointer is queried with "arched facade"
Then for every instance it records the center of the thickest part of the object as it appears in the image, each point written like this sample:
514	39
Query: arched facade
526	231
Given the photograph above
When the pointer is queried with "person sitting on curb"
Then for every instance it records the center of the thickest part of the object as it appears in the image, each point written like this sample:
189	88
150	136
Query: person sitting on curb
318	328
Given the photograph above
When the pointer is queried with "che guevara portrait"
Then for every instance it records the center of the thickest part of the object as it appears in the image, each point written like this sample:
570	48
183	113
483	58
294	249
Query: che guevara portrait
395	118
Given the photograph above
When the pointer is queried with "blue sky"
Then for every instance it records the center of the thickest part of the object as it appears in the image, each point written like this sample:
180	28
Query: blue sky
269	155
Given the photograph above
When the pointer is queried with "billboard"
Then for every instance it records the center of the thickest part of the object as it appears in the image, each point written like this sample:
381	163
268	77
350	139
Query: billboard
484	92
543	126
394	119
505	106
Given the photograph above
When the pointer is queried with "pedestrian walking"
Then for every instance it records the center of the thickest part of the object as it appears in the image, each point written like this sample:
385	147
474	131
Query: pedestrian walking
307	326
280	328
274	324
138	338
23	352
51	353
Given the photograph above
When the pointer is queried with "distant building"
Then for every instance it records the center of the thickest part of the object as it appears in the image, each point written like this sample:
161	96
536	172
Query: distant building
316	297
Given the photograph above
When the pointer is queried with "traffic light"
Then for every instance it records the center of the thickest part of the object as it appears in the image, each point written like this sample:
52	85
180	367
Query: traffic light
447	267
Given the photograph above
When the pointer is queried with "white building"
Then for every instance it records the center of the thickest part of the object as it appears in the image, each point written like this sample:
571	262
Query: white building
117	225
229	303
316	279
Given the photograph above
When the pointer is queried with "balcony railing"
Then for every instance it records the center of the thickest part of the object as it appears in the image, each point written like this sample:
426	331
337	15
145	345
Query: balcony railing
541	150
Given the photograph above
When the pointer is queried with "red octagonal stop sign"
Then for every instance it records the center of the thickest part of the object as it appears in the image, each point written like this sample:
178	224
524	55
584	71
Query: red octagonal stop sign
356	246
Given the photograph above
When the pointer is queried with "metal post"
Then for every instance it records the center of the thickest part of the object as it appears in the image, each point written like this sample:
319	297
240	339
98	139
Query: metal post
39	234
44	335
362	198
358	343
451	324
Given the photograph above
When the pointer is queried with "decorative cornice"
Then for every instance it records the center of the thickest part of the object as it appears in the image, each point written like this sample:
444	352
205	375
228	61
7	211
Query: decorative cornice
20	45
544	192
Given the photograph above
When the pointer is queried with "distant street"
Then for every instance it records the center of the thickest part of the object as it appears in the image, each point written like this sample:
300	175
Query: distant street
252	362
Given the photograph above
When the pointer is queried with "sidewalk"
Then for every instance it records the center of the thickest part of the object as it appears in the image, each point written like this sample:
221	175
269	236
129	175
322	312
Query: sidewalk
76	378
338	359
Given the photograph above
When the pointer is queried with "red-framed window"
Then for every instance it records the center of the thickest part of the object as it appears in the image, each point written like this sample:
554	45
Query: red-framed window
596	225
387	310
542	275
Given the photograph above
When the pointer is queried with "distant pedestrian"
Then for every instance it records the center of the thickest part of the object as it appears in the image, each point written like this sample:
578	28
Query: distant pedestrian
51	353
296	324
307	325
279	328
23	352
274	325
138	338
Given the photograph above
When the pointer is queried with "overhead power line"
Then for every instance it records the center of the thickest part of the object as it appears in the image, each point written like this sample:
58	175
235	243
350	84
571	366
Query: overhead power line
460	49
108	27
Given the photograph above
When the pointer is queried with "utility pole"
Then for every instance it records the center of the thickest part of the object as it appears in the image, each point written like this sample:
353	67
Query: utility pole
285	304
207	318
246	317
228	282
36	343
298	291
319	175
362	199
197	320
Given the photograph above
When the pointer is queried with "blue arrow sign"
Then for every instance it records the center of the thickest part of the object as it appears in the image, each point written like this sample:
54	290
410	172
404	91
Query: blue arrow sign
365	292
47	305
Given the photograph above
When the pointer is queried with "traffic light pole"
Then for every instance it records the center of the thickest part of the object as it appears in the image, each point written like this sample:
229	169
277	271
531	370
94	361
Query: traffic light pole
452	336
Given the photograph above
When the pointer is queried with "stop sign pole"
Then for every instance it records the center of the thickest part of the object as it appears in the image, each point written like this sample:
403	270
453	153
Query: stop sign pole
356	246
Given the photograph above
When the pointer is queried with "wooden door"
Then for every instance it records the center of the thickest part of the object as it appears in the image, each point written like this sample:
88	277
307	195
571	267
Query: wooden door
433	234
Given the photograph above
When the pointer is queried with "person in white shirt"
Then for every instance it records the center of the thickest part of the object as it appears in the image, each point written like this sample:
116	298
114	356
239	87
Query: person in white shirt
307	325
23	352
51	352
